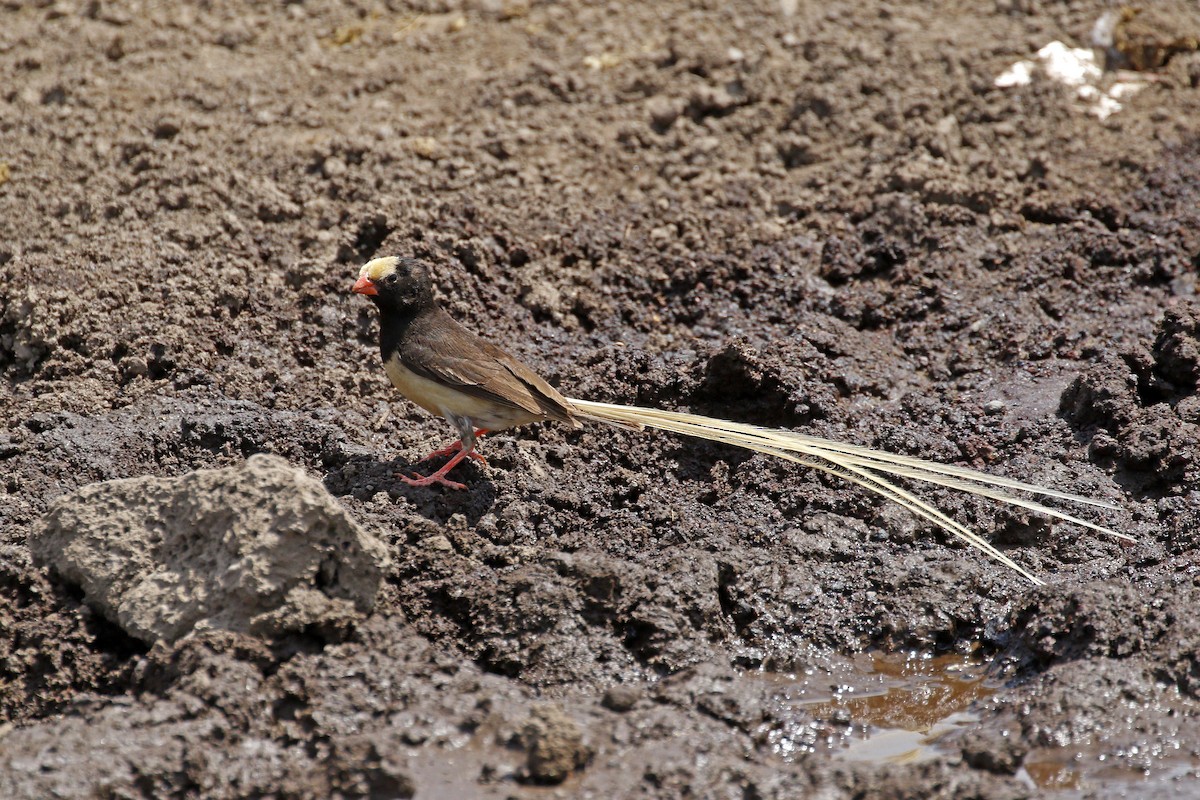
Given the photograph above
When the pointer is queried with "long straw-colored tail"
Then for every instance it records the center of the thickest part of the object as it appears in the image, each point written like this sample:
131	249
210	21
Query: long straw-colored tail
859	465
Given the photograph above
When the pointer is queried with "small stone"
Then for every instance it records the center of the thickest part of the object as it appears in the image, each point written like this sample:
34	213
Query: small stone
333	167
621	698
771	230
132	367
663	112
167	128
715	100
602	61
993	407
994	751
662	234
426	147
554	745
440	544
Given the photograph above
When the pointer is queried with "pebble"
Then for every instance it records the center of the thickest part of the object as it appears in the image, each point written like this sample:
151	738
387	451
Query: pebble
439	543
333	167
663	112
621	698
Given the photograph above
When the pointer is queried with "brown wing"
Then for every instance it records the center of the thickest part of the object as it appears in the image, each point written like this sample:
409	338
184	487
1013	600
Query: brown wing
440	349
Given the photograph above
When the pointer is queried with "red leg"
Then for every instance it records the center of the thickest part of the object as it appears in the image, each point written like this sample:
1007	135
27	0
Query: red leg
454	447
439	477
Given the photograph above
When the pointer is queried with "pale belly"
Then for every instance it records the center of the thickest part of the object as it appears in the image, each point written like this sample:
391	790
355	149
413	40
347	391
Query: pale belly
446	402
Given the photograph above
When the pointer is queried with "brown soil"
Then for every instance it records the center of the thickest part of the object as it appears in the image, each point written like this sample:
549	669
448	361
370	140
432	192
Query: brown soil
829	219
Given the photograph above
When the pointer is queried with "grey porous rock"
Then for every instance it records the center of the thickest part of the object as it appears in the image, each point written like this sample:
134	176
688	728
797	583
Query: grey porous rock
260	548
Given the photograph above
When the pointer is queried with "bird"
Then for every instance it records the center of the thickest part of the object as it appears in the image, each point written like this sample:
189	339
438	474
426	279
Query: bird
449	370
479	388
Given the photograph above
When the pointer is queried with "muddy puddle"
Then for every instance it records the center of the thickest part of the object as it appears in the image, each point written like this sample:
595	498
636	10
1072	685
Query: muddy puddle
908	708
884	708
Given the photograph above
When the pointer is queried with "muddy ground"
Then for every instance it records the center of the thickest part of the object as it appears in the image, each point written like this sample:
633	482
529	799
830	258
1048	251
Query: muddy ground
815	215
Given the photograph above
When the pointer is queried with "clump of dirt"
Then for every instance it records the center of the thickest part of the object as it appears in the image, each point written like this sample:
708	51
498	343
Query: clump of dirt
1146	405
554	745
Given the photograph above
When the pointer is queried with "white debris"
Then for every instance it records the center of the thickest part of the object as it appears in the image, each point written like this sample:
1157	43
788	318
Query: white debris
1102	104
602	61
1075	67
1126	88
1019	74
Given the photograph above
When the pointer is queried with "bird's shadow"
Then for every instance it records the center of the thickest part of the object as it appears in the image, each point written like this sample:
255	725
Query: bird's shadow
695	458
363	477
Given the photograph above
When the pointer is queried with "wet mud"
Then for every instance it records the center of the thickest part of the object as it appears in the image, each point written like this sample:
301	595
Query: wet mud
819	216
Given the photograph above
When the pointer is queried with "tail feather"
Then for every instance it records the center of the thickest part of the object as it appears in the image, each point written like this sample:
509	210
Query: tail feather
859	465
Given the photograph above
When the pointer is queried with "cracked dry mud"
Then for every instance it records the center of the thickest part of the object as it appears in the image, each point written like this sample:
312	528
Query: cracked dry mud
821	216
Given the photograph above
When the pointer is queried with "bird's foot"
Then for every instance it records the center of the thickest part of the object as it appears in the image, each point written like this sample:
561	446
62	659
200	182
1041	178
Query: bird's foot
437	478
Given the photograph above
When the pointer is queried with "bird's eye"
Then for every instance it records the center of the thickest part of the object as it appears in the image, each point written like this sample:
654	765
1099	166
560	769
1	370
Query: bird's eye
390	278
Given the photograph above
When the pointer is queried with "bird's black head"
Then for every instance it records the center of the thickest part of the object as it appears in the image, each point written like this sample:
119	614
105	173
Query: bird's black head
403	285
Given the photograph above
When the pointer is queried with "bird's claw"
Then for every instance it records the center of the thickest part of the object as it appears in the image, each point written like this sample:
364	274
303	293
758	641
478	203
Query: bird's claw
432	480
439	477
